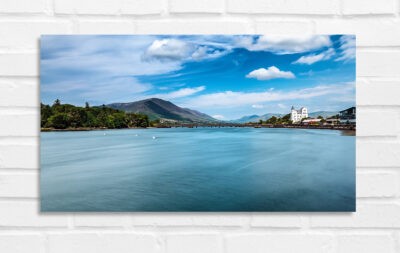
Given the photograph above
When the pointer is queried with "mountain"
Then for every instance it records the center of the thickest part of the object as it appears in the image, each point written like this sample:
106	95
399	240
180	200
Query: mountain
324	114
270	115
256	118
245	119
156	108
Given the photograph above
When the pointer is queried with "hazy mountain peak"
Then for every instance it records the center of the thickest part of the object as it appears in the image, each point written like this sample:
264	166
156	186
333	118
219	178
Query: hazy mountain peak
157	108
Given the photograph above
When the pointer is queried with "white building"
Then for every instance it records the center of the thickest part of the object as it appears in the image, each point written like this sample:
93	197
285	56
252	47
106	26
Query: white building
297	115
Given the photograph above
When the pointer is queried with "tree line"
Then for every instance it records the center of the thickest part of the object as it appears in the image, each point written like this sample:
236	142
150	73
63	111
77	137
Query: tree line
62	116
277	120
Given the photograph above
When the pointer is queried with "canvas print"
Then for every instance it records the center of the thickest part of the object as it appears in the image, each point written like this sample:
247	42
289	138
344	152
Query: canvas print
180	123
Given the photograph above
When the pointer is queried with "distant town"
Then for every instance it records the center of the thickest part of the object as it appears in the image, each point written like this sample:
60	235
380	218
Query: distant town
297	118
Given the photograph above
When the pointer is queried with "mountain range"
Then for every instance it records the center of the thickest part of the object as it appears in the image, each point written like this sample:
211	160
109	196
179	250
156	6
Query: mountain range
257	118
156	108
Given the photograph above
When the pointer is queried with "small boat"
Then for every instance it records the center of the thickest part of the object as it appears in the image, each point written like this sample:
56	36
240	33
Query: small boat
154	137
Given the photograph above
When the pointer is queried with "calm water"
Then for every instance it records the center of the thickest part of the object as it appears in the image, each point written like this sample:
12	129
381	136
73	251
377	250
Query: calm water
199	169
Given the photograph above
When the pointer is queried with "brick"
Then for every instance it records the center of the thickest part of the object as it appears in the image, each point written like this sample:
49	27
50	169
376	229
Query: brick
19	185
369	122
19	125
377	154
365	243
193	27
201	219
275	220
106	27
378	63
101	243
197	243
367	216
369	32
87	7
378	92
102	220
22	6
377	184
318	7
167	219
19	64
200	6
283	27
279	243
19	93
109	7
27	214
19	156
143	7
365	7
21	243
26	34
228	220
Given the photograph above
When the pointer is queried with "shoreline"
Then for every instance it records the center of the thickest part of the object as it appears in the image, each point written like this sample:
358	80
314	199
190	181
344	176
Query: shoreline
81	129
350	129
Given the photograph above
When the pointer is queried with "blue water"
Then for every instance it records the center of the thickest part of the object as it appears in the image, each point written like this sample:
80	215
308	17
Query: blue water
199	169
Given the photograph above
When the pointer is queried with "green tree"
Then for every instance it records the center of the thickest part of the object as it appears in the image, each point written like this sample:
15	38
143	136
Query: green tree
109	121
59	121
91	120
272	120
45	114
286	118
61	116
119	120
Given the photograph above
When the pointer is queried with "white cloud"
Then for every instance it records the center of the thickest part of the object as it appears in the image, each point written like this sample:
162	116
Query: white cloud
285	44
100	56
282	106
205	52
257	106
168	49
184	92
270	73
179	50
313	58
218	116
234	99
347	47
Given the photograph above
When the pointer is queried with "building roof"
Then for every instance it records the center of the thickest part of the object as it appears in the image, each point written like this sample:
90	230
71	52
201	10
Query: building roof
311	120
299	110
348	109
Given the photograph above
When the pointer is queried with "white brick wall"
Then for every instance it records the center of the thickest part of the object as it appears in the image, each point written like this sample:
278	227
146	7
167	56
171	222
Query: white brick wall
375	227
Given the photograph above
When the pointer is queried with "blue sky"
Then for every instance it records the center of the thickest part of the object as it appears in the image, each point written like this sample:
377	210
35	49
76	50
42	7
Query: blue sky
224	76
